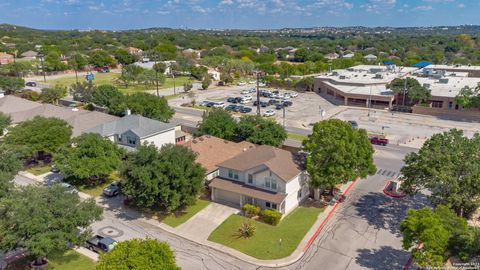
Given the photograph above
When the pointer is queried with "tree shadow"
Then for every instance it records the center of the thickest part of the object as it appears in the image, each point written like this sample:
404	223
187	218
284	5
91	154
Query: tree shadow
382	258
383	212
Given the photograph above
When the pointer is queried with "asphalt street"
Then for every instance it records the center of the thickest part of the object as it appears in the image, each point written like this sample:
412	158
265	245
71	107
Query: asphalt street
361	234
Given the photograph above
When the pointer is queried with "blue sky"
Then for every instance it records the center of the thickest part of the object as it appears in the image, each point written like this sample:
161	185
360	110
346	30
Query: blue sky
242	14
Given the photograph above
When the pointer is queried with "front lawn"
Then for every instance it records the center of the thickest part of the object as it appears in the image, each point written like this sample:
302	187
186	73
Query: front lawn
296	137
39	169
70	260
265	244
173	220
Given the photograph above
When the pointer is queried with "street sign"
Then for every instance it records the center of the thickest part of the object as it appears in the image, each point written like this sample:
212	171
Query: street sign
90	77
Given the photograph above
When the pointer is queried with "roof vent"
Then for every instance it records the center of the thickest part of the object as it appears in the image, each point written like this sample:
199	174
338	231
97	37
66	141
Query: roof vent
201	139
208	136
194	141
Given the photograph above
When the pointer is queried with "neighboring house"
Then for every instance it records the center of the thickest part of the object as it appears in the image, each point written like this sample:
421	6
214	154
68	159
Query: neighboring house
5	58
331	56
265	176
370	57
29	55
214	74
348	56
211	151
133	130
134	51
21	110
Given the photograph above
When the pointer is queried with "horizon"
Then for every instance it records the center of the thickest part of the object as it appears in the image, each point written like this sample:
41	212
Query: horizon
237	14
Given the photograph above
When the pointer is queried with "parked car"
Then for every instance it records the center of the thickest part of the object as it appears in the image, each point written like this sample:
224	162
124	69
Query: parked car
245	109
244	101
99	244
102	69
206	103
263	104
252	90
238	99
252	82
273	102
232	100
276	92
247	97
112	190
244	92
69	188
273	95
238	108
287	103
279	106
231	107
218	104
353	123
269	113
31	84
293	94
241	83
54	169
378	139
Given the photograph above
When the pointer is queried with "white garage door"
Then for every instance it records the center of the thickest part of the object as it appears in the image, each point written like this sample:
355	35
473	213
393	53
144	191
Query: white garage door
227	197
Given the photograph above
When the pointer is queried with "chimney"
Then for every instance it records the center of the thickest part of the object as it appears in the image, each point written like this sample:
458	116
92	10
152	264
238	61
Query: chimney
128	112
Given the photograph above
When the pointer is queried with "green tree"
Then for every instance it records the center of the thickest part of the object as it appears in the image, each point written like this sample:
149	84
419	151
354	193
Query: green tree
5	121
218	123
160	67
166	51
138	254
124	57
168	178
130	74
415	92
199	72
89	160
11	85
18	68
101	58
259	130
53	63
469	97
338	153
150	106
447	165
107	95
82	91
206	82
43	220
39	134
305	84
187	87
77	62
10	165
53	95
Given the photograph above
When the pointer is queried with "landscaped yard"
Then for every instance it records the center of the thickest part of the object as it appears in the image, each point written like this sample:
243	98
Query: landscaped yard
265	244
109	78
70	260
39	170
175	220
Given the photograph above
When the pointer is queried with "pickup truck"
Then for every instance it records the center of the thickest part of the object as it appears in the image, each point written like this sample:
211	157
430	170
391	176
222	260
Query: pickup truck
378	139
99	244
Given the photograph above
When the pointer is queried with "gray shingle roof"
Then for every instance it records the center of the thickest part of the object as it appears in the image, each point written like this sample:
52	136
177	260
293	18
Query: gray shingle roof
142	126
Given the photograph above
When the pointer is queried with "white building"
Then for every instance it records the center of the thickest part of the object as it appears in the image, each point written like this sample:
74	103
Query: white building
265	176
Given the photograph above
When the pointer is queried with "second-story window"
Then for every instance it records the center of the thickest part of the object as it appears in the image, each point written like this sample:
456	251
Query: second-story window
274	184
233	174
250	179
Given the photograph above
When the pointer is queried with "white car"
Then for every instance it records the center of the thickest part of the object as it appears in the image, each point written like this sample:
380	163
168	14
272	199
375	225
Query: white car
218	104
241	83
252	82
269	113
247	97
244	92
253	90
244	101
293	94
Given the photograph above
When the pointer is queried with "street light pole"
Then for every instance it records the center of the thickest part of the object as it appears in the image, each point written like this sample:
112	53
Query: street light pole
43	67
284	117
404	91
369	101
173	77
257	73
156	72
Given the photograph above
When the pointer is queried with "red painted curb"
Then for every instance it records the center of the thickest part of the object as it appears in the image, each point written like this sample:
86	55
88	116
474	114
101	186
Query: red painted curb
393	195
319	229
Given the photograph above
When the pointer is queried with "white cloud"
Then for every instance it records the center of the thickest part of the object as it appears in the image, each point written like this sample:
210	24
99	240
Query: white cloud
423	8
461	5
376	6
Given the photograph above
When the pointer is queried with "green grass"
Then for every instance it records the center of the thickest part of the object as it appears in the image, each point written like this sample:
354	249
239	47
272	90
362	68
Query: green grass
109	78
39	170
265	243
296	137
98	190
70	260
176	219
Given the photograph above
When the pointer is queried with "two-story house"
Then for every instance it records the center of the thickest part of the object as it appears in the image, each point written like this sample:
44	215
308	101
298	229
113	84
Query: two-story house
133	130
265	176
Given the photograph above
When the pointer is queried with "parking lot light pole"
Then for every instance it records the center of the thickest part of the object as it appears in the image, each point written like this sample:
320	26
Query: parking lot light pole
258	73
283	116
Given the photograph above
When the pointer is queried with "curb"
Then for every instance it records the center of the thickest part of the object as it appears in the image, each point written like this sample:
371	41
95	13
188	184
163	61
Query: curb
390	194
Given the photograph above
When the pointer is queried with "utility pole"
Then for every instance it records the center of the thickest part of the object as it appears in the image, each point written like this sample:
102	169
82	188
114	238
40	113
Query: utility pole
156	72
43	66
173	77
283	116
257	73
369	101
404	91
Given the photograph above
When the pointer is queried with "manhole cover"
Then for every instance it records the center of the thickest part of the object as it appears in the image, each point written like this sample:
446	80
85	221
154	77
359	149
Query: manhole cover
110	232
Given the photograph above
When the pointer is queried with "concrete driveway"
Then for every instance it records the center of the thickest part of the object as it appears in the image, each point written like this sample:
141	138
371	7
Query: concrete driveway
202	224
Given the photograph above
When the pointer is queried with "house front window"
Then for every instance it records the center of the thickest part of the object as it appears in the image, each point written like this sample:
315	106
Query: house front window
233	174
131	140
250	179
271	183
271	205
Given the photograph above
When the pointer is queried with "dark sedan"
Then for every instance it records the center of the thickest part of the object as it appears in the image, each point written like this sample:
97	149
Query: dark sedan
245	109
231	108
278	106
287	103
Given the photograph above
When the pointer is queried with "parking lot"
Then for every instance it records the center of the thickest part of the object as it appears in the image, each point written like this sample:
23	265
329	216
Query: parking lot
307	108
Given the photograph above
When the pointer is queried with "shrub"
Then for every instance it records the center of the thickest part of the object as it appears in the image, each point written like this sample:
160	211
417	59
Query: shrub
271	216
246	230
250	210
